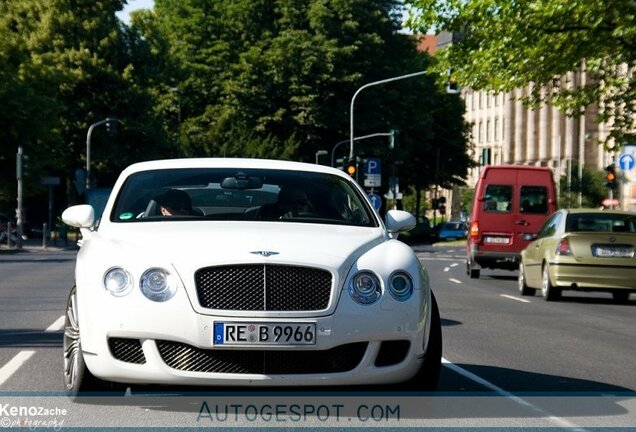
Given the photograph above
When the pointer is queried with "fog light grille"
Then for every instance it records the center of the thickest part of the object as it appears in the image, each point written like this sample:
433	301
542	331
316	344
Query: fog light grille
188	358
392	352
127	350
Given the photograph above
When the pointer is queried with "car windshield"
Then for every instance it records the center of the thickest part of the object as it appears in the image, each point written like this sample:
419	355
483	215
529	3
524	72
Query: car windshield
601	222
230	194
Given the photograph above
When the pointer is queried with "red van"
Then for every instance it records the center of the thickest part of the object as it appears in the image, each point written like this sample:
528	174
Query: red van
510	201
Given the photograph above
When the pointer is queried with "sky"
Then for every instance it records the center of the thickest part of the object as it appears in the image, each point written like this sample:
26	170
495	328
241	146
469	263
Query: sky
132	5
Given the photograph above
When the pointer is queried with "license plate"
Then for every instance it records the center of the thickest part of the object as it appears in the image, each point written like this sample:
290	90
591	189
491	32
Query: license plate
234	333
613	251
496	240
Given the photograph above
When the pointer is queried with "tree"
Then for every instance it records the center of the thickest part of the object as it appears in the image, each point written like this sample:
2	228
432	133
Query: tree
280	75
509	44
591	187
29	107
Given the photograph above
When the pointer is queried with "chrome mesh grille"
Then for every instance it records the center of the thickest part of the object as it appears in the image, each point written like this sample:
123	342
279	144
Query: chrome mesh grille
127	350
188	358
257	287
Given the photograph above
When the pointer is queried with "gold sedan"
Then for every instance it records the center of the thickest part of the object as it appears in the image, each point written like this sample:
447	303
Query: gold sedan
582	249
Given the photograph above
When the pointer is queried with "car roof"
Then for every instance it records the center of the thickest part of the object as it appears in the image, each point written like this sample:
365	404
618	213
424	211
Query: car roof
596	210
230	163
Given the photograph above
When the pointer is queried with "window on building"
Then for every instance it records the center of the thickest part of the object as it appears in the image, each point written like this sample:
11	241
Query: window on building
496	130
488	137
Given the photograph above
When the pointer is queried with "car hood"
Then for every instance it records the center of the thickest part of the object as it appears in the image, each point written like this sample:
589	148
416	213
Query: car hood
188	245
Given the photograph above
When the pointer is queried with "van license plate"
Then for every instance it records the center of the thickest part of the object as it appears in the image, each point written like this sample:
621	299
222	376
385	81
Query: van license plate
496	240
235	333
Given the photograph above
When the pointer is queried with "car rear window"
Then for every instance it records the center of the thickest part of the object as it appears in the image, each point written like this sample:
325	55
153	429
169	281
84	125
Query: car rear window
601	222
498	198
534	200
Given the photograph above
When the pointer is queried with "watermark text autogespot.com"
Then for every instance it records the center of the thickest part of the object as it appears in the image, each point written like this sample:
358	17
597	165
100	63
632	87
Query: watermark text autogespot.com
279	413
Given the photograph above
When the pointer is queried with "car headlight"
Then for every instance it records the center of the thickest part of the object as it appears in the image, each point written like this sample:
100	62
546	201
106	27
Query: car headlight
365	288
401	286
158	284
117	281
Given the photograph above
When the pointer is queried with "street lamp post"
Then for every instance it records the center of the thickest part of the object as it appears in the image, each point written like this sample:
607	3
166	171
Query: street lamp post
178	91
88	147
384	81
338	144
321	153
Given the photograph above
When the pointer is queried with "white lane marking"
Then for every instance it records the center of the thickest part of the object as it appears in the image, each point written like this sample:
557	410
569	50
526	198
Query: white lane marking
515	298
454	265
23	356
57	325
14	364
455	281
501	392
446	269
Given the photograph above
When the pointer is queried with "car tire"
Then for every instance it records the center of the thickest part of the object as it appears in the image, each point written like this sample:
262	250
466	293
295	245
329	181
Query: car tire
524	289
77	378
621	297
549	292
427	378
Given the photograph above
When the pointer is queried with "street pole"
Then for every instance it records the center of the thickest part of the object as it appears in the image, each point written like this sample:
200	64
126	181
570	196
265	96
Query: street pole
88	147
320	153
178	91
375	83
19	210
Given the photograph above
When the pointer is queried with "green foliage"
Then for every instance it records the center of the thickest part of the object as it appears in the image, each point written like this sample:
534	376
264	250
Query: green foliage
509	44
250	78
591	186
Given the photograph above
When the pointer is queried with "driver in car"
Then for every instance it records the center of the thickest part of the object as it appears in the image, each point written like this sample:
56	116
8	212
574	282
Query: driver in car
291	202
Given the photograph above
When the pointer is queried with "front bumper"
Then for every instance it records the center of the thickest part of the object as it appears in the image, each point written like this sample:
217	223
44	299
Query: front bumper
174	345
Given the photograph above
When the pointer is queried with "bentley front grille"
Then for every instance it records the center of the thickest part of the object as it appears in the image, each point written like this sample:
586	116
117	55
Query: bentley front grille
185	357
257	287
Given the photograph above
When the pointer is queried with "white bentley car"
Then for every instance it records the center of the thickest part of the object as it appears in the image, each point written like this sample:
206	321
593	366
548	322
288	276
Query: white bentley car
246	272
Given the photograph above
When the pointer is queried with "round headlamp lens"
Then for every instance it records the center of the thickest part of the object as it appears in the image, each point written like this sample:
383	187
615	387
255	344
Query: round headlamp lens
117	281
158	284
365	288
401	286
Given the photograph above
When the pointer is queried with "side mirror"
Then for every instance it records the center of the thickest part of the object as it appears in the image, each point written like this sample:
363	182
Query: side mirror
399	220
79	216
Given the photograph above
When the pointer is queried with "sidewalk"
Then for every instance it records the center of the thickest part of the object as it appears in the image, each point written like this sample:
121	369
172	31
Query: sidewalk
35	245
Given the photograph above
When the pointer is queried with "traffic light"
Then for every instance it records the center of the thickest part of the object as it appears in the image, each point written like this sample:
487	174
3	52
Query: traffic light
111	126
352	167
610	176
21	165
452	86
393	138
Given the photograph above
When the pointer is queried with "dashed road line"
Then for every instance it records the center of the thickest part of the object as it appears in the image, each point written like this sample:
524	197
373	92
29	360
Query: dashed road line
13	365
57	325
515	298
455	280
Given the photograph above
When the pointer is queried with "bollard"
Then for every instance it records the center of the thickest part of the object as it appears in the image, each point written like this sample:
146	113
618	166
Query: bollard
44	232
9	235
